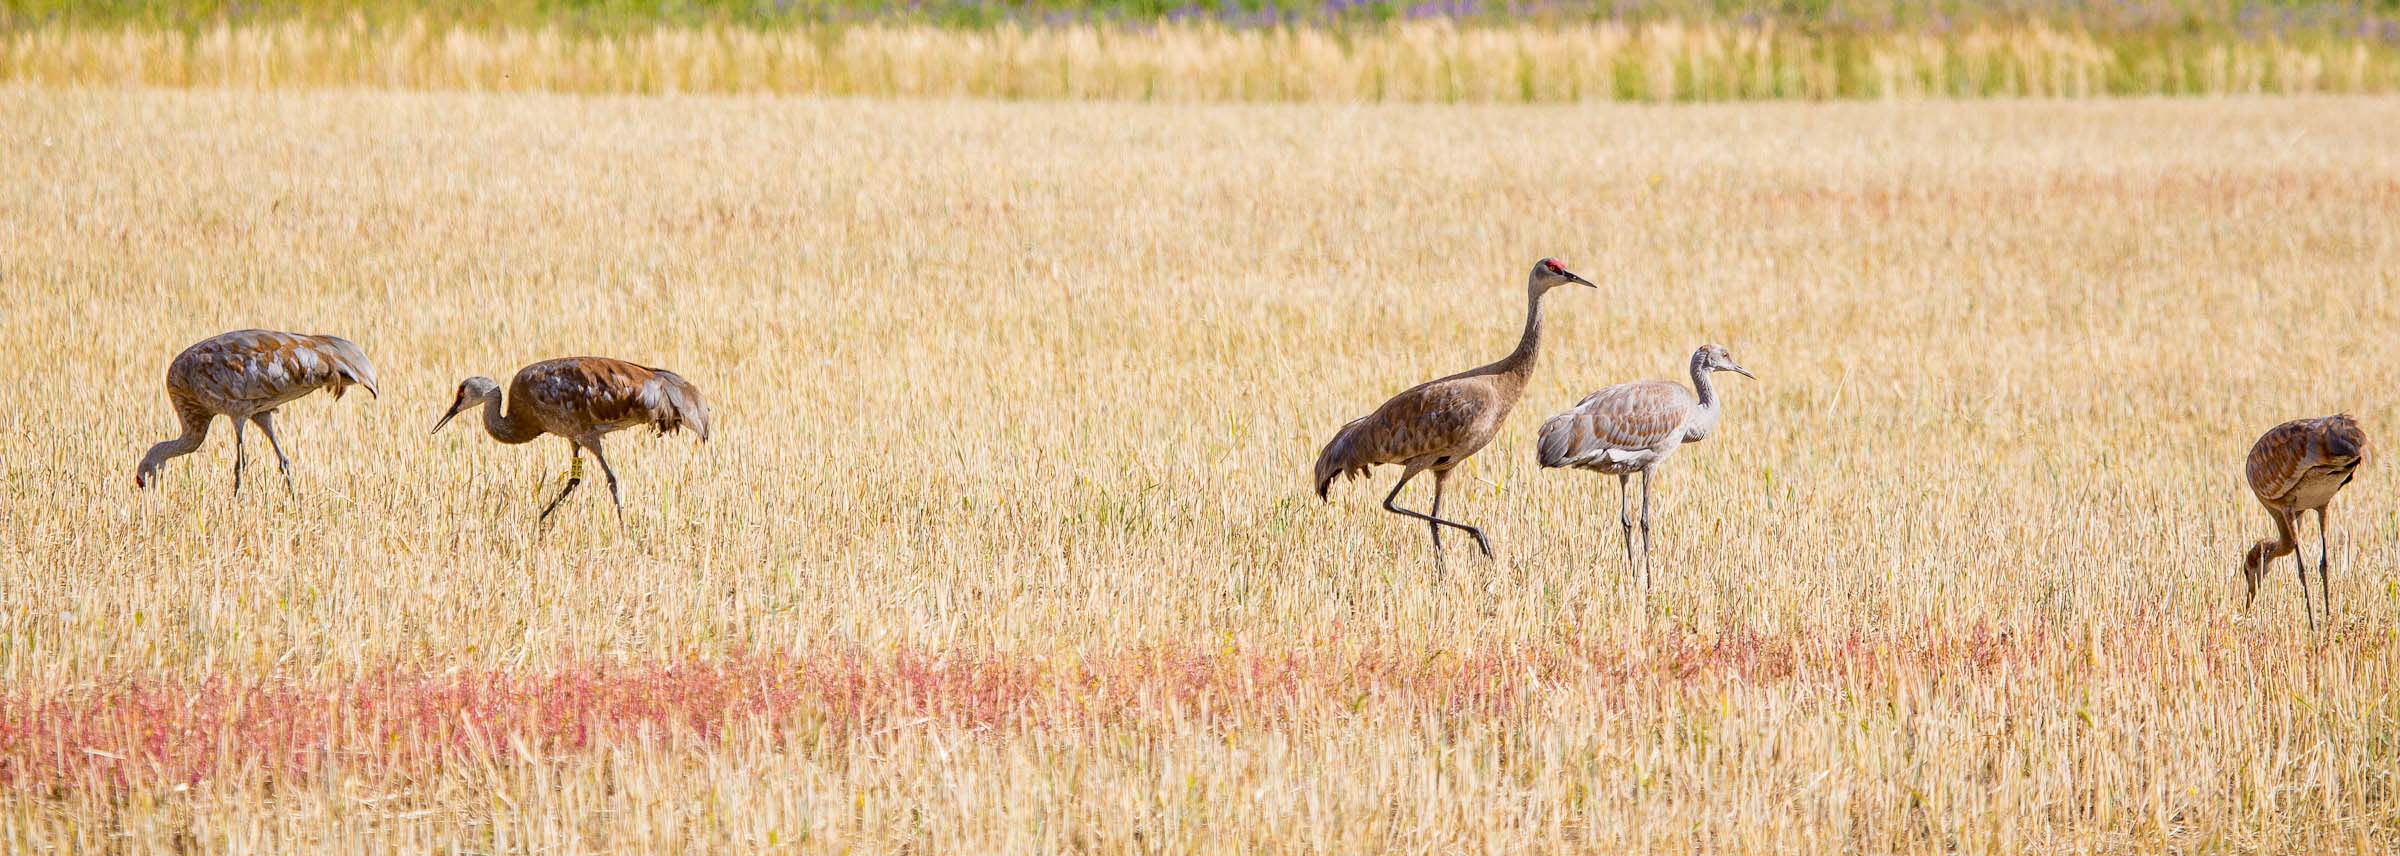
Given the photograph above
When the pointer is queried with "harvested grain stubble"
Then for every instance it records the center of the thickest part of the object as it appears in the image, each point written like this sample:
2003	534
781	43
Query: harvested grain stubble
1004	543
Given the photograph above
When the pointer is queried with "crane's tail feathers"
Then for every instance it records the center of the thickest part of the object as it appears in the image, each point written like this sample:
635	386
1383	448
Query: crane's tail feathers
1556	446
675	403
2346	440
365	381
350	365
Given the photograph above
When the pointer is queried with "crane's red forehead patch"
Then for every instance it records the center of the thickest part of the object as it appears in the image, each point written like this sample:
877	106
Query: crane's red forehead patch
1552	264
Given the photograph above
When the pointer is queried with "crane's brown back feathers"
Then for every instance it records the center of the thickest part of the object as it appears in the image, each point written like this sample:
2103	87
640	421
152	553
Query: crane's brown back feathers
574	396
2304	460
247	371
1438	422
1626	417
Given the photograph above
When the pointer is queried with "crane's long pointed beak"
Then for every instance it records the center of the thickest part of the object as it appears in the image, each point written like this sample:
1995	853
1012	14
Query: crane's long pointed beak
1574	278
437	427
1741	371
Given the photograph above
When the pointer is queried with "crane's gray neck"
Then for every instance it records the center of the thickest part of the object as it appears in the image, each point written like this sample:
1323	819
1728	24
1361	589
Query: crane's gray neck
1520	361
1703	419
1700	383
165	450
195	429
508	427
2284	542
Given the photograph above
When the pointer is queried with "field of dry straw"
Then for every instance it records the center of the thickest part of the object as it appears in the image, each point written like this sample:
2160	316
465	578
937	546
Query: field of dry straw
1004	541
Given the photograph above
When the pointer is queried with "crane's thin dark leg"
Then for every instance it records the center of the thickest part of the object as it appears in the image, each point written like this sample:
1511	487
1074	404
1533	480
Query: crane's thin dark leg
1625	517
1388	505
1439	477
1645	530
237	457
2324	588
266	425
612	483
574	477
2300	562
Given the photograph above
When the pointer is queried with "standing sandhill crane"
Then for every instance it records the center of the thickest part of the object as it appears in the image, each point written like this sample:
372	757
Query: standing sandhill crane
245	375
2297	467
1435	425
582	399
1632	428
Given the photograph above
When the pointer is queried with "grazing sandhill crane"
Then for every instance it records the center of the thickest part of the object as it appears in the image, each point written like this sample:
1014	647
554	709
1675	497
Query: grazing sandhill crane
243	376
2295	468
582	399
1632	428
1435	425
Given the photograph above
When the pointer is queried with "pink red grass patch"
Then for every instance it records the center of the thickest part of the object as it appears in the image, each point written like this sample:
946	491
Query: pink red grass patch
155	730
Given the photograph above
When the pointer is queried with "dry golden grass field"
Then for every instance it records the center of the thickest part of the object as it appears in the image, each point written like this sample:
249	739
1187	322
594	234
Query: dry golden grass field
1005	544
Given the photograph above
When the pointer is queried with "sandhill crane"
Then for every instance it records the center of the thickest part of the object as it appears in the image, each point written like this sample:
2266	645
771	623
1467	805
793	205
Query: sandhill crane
582	399
245	375
1632	427
2297	467
1435	425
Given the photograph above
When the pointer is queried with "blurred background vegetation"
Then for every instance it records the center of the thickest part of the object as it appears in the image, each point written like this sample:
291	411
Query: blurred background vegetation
1227	50
2373	20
